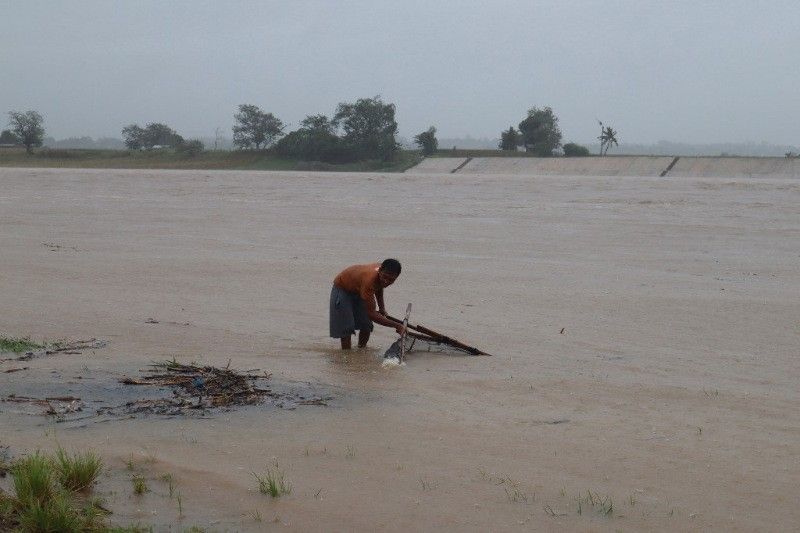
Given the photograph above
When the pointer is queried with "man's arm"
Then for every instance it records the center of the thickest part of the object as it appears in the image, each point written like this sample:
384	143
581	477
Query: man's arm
376	316
379	297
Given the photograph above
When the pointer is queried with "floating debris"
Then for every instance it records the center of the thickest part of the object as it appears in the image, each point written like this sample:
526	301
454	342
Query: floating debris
54	405
167	388
199	388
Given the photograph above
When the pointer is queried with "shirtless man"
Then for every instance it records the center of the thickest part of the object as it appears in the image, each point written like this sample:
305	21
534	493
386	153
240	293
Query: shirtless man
353	296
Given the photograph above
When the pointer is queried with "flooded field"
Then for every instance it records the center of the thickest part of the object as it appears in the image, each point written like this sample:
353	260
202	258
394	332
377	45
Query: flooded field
644	334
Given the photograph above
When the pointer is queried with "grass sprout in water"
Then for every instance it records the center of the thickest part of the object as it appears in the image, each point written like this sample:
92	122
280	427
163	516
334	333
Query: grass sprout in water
273	482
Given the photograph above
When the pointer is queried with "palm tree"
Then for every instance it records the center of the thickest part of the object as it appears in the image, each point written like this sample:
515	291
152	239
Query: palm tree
608	137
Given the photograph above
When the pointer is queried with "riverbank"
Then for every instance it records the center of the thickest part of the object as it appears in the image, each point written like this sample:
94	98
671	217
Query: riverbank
207	160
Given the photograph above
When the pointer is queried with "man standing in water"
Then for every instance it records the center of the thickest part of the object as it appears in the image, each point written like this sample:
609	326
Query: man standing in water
353	296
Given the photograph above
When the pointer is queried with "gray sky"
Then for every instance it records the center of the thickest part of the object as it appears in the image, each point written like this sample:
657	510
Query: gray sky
695	71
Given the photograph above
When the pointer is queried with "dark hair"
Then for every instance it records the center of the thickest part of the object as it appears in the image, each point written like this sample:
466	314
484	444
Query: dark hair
391	266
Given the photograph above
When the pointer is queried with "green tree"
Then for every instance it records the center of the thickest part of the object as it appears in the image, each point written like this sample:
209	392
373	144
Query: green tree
575	150
254	128
427	141
133	136
158	134
369	128
318	124
28	127
315	140
8	137
540	132
153	134
509	139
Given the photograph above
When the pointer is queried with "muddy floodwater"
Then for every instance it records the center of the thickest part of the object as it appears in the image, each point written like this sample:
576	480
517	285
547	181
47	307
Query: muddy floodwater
644	334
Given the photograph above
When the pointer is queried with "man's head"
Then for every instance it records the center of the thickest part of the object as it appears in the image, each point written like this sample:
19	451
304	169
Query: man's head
388	272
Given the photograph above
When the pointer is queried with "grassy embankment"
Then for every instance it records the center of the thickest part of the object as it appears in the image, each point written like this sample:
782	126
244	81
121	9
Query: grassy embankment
210	160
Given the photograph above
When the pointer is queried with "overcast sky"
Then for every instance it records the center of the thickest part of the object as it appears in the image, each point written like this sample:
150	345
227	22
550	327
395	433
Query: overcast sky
696	71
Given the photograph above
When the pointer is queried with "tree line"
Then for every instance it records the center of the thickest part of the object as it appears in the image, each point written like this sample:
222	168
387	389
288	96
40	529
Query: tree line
362	130
357	131
540	134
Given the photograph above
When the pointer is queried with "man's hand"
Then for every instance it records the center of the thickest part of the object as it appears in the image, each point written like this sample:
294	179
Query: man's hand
400	329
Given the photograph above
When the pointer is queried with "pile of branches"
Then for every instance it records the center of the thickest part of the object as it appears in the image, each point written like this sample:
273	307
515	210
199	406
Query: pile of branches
198	387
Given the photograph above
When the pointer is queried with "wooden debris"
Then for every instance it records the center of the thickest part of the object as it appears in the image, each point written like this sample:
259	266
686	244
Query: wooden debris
205	387
53	405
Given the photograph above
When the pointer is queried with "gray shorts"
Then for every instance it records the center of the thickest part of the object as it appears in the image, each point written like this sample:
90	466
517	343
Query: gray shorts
348	313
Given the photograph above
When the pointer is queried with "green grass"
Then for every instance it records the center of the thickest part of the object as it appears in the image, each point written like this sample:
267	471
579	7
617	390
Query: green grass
78	472
57	514
139	484
209	160
34	480
18	345
44	500
273	482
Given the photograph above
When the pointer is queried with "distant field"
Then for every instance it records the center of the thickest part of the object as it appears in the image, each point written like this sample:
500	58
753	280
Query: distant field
211	160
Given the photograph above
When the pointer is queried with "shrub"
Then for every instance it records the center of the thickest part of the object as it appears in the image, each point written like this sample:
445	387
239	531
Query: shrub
190	148
575	150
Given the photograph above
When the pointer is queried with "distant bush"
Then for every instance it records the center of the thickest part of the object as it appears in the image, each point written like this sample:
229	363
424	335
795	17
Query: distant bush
509	140
153	135
575	150
8	137
190	148
316	141
427	141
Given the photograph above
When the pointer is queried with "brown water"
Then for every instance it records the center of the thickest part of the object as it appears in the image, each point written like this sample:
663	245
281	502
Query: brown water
672	389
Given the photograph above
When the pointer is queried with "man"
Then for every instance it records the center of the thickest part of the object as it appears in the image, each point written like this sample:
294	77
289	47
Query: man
353	296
